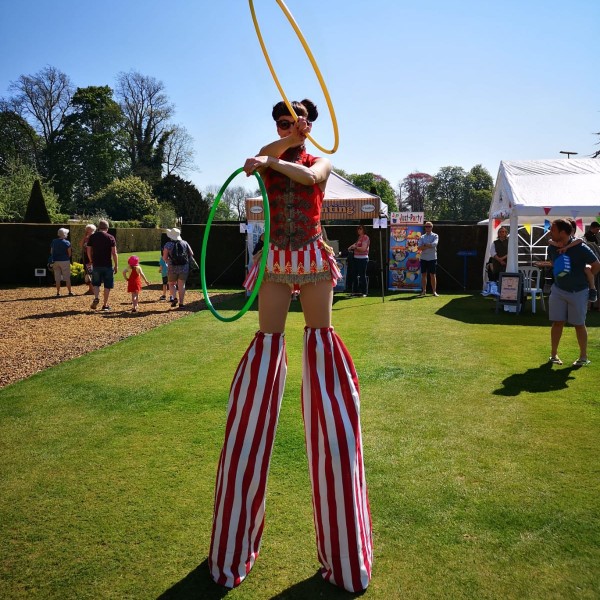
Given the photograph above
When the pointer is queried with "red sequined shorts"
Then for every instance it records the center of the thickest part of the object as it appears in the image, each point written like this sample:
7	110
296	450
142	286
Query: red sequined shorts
308	264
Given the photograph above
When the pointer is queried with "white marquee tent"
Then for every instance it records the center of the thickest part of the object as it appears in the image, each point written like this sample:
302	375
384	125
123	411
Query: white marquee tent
534	191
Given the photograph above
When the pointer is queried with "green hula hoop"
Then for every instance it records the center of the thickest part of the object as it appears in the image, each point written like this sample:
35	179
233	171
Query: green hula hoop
263	260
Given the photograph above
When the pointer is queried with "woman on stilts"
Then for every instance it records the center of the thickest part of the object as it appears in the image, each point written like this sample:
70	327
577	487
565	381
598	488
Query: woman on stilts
295	183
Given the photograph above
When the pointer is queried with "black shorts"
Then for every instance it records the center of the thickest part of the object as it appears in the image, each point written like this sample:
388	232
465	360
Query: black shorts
428	266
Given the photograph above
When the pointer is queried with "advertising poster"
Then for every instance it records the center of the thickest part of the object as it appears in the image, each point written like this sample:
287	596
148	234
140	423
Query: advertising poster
405	267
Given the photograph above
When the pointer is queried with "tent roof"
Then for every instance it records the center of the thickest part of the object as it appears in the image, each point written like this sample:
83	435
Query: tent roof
547	188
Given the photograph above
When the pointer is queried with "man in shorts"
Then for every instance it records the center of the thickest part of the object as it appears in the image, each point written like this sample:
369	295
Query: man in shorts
569	294
102	253
428	244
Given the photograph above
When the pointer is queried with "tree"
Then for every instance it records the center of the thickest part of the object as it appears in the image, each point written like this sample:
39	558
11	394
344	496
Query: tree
18	140
90	147
224	212
36	207
128	199
179	151
445	194
43	99
455	195
183	197
16	184
376	184
147	112
415	187
479	187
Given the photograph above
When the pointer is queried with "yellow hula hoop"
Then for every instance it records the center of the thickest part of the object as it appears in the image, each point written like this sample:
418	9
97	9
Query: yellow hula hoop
310	56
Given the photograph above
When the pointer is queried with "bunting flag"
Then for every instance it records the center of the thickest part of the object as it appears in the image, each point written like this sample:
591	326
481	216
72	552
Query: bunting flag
574	213
546	225
527	228
579	224
497	223
547	209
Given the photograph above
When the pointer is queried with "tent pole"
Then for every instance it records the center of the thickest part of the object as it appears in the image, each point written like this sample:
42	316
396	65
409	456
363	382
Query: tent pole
512	263
381	264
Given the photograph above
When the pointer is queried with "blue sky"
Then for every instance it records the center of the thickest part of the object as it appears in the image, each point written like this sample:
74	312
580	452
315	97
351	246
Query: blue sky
415	85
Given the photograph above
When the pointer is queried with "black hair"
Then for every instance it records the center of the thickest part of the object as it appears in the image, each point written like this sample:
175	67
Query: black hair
307	109
563	225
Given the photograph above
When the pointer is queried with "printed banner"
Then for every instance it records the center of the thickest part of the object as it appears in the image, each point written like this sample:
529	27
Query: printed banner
338	209
405	267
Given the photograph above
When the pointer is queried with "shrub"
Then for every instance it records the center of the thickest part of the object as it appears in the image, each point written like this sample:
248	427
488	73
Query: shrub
77	273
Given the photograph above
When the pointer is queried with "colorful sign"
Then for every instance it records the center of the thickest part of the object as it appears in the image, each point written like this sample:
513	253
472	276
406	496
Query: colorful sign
332	209
405	267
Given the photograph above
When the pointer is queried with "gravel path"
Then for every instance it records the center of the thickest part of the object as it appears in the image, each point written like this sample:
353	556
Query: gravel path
38	330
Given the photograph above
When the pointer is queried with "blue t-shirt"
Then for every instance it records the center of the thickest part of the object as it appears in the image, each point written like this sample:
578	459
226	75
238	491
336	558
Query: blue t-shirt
575	280
59	249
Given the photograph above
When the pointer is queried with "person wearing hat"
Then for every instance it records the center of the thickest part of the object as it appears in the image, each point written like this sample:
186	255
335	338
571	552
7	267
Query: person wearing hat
178	254
102	253
60	253
428	243
133	276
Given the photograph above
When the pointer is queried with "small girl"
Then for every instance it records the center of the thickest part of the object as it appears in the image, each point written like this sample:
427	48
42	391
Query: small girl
134	276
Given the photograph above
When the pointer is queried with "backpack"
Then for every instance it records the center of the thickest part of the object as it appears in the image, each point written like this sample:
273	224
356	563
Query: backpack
179	254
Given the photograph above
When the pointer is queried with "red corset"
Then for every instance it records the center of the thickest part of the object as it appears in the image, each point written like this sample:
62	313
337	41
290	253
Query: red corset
295	208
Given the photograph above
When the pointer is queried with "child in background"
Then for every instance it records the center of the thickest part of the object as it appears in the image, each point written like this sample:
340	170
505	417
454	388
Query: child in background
134	275
164	271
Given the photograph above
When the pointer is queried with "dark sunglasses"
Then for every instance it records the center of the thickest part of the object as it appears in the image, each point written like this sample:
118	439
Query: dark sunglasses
285	125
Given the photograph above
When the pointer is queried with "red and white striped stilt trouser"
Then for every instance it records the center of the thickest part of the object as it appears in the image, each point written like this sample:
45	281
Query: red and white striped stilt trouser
331	409
252	413
331	416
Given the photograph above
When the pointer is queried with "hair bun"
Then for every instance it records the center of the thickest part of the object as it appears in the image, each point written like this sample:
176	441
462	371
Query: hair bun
311	108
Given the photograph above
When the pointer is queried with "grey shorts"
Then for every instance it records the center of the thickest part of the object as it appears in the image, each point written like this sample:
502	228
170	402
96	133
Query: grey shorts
568	306
62	270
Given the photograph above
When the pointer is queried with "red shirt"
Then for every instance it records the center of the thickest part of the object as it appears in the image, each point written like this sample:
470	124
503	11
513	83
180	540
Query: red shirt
295	208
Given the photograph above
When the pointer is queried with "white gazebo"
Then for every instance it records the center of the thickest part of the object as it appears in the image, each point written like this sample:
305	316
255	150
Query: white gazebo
535	192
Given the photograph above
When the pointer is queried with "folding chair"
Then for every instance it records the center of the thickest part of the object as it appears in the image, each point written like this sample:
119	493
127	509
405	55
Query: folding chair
533	285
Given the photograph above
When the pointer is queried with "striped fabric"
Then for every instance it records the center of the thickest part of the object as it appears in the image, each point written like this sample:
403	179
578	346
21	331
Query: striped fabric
252	413
309	263
330	407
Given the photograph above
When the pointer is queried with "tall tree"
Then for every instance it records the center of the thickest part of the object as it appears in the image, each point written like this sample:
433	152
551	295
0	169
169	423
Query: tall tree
91	146
18	140
147	112
179	152
479	186
445	194
184	197
415	187
376	184
43	99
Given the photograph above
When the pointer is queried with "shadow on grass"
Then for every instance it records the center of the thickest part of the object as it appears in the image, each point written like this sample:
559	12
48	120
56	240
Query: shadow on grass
537	380
315	587
478	310
199	584
195	585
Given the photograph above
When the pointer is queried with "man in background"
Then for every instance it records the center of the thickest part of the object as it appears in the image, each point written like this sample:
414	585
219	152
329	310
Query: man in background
569	295
102	253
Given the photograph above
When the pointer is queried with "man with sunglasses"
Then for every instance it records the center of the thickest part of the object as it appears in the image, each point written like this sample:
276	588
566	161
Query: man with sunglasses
428	243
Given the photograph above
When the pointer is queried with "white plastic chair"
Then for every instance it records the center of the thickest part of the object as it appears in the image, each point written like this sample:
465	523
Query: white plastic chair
533	285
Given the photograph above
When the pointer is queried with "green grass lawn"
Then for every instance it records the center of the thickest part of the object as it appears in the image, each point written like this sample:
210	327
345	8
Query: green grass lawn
483	463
